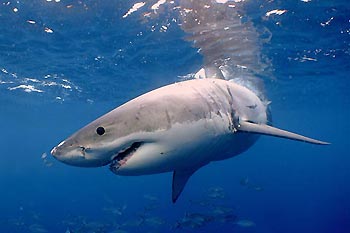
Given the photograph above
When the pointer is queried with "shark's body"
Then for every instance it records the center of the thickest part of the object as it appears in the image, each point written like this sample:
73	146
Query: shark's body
184	126
177	128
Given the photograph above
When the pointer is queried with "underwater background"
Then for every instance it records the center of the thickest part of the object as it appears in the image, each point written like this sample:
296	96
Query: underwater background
65	63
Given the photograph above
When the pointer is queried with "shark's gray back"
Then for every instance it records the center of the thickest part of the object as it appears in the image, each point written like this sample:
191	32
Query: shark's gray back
183	102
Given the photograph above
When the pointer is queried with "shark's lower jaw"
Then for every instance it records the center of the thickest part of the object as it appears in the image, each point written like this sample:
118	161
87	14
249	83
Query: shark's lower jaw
123	156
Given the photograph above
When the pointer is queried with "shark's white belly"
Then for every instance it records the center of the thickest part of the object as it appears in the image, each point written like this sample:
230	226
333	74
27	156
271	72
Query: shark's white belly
188	146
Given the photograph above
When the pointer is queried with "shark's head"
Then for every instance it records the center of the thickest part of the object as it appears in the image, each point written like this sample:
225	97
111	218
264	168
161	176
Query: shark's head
89	147
97	145
113	139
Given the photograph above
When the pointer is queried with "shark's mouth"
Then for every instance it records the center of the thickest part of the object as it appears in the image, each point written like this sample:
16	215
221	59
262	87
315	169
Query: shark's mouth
123	156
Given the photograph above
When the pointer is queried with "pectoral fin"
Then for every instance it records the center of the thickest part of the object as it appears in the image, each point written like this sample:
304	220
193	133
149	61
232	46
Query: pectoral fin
180	179
272	131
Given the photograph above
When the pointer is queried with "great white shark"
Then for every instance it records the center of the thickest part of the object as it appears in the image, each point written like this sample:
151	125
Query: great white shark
177	128
182	127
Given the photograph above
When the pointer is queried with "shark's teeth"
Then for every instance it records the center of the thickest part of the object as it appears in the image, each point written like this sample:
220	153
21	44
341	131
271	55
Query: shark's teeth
123	156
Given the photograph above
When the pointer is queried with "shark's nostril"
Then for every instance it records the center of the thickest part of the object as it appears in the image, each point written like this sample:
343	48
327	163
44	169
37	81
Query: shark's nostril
82	150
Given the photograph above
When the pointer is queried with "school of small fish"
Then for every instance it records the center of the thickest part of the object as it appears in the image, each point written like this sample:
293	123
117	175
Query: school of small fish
214	208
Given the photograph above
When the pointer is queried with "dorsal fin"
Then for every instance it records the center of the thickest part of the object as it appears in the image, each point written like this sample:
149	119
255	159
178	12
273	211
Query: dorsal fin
272	131
209	71
180	179
212	71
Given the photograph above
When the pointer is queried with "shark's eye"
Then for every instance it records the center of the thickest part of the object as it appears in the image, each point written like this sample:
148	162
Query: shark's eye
100	130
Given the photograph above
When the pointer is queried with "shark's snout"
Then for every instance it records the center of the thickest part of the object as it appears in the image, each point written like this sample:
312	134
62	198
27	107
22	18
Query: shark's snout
53	151
57	150
68	154
74	154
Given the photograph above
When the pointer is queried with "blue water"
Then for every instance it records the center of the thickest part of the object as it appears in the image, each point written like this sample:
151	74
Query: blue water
63	64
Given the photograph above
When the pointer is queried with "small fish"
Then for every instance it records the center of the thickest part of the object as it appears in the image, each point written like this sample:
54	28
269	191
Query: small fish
201	202
221	210
216	193
226	218
37	228
258	188
154	221
244	181
151	206
245	223
46	162
150	197
44	155
134	223
216	189
118	231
